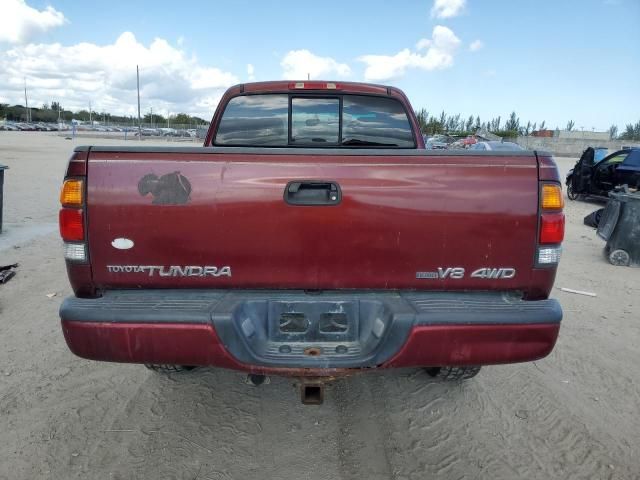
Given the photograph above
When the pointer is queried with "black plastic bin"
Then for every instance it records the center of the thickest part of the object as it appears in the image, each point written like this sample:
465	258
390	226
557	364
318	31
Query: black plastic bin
620	227
2	169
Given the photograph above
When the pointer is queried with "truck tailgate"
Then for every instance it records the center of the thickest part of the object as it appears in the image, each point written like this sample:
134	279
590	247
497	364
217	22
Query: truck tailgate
158	217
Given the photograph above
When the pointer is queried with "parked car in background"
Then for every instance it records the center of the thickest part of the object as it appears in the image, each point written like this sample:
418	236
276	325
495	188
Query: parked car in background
436	143
591	177
168	132
149	132
44	127
496	146
468	141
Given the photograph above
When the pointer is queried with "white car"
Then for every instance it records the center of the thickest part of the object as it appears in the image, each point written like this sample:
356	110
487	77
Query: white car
496	146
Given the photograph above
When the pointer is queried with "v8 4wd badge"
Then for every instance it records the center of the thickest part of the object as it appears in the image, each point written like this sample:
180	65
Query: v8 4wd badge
457	273
493	273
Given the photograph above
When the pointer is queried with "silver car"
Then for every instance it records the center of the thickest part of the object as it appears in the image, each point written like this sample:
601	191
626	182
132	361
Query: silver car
496	146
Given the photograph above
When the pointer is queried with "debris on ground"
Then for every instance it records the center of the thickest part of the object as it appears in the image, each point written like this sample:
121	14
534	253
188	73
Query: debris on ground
620	227
7	272
593	219
579	292
51	295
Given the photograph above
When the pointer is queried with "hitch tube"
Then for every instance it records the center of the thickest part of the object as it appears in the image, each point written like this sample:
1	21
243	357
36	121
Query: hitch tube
312	393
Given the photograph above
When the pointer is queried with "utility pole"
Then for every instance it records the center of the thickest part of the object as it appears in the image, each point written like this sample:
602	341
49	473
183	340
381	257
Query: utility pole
151	117
26	101
90	120
138	81
58	113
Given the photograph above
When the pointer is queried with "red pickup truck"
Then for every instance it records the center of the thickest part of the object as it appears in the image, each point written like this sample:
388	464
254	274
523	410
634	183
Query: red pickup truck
312	236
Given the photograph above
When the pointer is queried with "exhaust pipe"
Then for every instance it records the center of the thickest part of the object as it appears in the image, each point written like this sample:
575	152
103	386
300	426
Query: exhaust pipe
312	393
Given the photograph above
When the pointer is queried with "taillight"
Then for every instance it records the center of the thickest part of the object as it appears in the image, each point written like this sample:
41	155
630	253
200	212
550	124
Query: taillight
551	227
71	225
75	252
551	197
71	220
71	193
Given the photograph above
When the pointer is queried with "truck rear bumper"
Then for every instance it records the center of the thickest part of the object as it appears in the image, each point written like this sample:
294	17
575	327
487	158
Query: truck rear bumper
298	333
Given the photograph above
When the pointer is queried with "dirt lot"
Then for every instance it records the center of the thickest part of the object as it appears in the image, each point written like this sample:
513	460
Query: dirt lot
574	414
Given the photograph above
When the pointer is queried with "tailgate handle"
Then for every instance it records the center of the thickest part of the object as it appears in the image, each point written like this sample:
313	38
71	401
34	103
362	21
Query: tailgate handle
312	193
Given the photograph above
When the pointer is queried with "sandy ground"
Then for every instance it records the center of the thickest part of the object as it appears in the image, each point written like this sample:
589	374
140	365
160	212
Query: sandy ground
574	414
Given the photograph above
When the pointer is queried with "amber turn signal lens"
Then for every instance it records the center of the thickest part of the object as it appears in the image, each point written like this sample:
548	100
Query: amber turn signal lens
71	193
552	197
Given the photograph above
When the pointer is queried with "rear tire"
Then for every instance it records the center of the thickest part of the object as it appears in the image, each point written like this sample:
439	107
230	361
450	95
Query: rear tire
166	368
453	374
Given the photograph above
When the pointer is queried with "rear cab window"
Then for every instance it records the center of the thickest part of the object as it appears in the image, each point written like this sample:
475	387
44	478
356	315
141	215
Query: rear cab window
255	120
295	120
371	121
315	120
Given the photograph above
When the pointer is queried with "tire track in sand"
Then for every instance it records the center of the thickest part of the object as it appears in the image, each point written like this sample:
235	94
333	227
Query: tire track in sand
363	429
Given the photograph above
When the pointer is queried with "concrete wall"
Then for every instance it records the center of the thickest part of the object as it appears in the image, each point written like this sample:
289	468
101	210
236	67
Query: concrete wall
580	135
569	147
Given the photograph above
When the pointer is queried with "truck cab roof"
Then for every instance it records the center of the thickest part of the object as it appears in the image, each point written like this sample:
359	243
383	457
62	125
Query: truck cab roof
328	85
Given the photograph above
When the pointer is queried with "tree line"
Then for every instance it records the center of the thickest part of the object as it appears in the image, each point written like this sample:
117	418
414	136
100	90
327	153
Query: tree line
513	127
429	124
51	113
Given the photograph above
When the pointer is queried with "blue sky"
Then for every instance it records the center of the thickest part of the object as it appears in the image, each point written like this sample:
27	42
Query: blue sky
547	60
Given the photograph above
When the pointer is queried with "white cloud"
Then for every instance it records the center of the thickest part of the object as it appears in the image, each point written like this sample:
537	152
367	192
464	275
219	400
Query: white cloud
170	79
440	50
297	64
476	45
423	44
251	72
203	78
447	8
20	22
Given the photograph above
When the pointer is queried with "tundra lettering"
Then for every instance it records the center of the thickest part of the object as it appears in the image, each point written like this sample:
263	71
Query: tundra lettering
172	271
